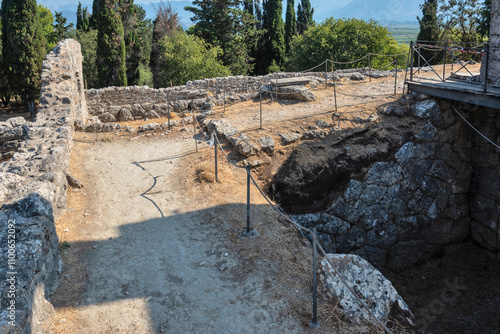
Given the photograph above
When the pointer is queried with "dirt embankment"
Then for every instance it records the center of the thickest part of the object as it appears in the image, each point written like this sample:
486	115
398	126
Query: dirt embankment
317	172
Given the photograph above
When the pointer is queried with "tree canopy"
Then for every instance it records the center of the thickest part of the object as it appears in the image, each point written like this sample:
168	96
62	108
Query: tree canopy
341	40
23	36
187	57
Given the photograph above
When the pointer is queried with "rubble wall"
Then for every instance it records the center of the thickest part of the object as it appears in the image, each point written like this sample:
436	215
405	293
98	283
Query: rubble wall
33	192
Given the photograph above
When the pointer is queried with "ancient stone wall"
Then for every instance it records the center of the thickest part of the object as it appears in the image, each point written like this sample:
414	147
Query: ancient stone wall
34	184
494	61
113	104
484	197
406	207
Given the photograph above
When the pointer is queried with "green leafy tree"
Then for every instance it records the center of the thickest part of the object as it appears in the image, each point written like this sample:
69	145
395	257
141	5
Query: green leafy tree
274	36
46	19
23	36
187	57
222	23
429	29
459	20
304	16
342	40
290	23
111	53
88	42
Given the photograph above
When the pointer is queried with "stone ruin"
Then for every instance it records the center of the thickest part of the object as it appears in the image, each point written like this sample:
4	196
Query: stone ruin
449	172
33	193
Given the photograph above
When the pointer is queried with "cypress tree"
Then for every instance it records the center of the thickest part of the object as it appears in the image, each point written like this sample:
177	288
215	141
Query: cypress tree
274	37
429	28
290	23
22	35
82	18
304	16
111	52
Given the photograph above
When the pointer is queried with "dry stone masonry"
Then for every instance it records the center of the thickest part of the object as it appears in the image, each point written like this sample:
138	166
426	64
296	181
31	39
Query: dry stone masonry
408	204
34	184
117	104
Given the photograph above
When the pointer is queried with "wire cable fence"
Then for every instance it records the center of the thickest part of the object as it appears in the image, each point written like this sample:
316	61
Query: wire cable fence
303	230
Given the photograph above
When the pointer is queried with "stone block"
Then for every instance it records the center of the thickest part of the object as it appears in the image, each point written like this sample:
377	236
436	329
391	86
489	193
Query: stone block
372	288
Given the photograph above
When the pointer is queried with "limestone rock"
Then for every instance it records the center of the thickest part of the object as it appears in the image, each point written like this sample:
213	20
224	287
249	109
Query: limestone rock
125	115
314	134
152	114
244	145
107	117
300	93
149	127
222	128
322	124
73	181
16	121
426	109
267	144
289	138
371	287
357	77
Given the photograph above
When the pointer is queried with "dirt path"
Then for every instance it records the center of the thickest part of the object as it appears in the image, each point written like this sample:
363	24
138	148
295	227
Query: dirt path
153	262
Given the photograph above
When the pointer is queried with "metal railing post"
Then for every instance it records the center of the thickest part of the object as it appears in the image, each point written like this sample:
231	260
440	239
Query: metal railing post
194	131
444	61
370	67
260	99
485	83
215	151
168	111
314	322
248	200
224	97
326	74
396	77
411	60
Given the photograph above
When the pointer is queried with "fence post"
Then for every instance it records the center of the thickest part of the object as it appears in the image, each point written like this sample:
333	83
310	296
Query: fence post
370	67
168	111
260	98
314	322
396	77
444	61
326	74
411	61
418	59
194	130
224	97
248	233
216	167
485	83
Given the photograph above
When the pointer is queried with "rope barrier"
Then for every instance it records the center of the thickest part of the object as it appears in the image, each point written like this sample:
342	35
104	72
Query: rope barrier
347	62
302	228
486	138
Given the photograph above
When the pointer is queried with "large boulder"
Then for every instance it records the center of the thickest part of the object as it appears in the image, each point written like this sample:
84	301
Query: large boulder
244	145
222	128
300	93
371	287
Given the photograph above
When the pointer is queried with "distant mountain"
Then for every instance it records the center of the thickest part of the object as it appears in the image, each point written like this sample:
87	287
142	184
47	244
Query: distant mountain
382	11
69	11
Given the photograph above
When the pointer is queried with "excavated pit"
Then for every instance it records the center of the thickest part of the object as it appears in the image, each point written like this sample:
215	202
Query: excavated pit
317	173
